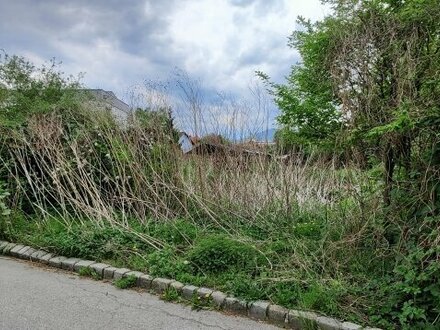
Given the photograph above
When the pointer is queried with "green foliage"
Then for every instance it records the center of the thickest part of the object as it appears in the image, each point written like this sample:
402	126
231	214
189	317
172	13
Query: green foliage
244	286
89	272
125	282
309	112
165	263
218	254
26	90
78	240
325	245
199	303
368	85
171	294
159	124
412	290
180	232
324	297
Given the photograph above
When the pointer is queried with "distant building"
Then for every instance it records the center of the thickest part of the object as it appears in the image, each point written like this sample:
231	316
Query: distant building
187	142
107	100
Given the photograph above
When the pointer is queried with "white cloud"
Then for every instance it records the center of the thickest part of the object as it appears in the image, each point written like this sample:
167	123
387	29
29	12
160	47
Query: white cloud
120	43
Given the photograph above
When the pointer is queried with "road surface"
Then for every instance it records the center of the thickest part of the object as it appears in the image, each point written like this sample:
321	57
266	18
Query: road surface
35	297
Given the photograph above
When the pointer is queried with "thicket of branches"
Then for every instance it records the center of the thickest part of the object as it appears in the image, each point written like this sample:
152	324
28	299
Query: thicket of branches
368	90
368	86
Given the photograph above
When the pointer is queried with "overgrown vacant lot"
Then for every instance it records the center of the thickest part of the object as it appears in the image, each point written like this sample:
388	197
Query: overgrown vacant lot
348	225
303	233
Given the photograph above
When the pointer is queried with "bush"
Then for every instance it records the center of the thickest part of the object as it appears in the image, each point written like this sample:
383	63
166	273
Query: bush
411	293
219	254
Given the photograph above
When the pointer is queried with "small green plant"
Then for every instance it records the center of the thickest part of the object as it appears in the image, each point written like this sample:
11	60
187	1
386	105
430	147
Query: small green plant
166	263
241	285
171	294
125	282
89	272
322	297
198	303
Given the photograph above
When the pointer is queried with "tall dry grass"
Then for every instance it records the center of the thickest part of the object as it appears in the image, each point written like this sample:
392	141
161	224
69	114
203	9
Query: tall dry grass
97	171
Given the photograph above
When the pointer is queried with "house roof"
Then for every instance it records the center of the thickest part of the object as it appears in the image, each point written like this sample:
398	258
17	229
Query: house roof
110	99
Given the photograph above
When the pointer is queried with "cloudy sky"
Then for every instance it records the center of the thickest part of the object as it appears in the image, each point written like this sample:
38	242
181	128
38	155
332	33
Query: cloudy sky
119	44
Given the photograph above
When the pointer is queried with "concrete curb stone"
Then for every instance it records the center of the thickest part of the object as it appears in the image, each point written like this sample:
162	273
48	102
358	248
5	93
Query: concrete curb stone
99	268
160	285
56	261
188	291
7	249
13	252
301	319
82	264
2	245
351	326
21	253
119	273
145	281
235	306
258	310
45	259
327	323
38	254
136	274
178	286
27	255
277	314
204	293
109	272
69	263
218	298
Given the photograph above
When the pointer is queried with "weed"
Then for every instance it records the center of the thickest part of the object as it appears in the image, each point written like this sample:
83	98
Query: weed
322	297
171	294
89	272
198	303
125	282
166	263
219	254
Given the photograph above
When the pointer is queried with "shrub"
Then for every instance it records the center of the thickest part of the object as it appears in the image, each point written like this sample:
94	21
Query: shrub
412	291
218	254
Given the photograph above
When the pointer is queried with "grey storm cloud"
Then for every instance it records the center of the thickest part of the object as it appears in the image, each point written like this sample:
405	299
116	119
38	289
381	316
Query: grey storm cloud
132	25
121	43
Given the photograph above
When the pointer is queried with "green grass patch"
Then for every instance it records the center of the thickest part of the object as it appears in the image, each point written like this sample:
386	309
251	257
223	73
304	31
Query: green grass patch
125	282
296	264
89	272
171	294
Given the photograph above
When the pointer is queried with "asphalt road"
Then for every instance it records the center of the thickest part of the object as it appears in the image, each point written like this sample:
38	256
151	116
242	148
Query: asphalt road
35	297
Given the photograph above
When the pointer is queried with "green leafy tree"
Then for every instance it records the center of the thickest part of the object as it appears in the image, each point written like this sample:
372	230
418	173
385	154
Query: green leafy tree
369	81
308	105
27	90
